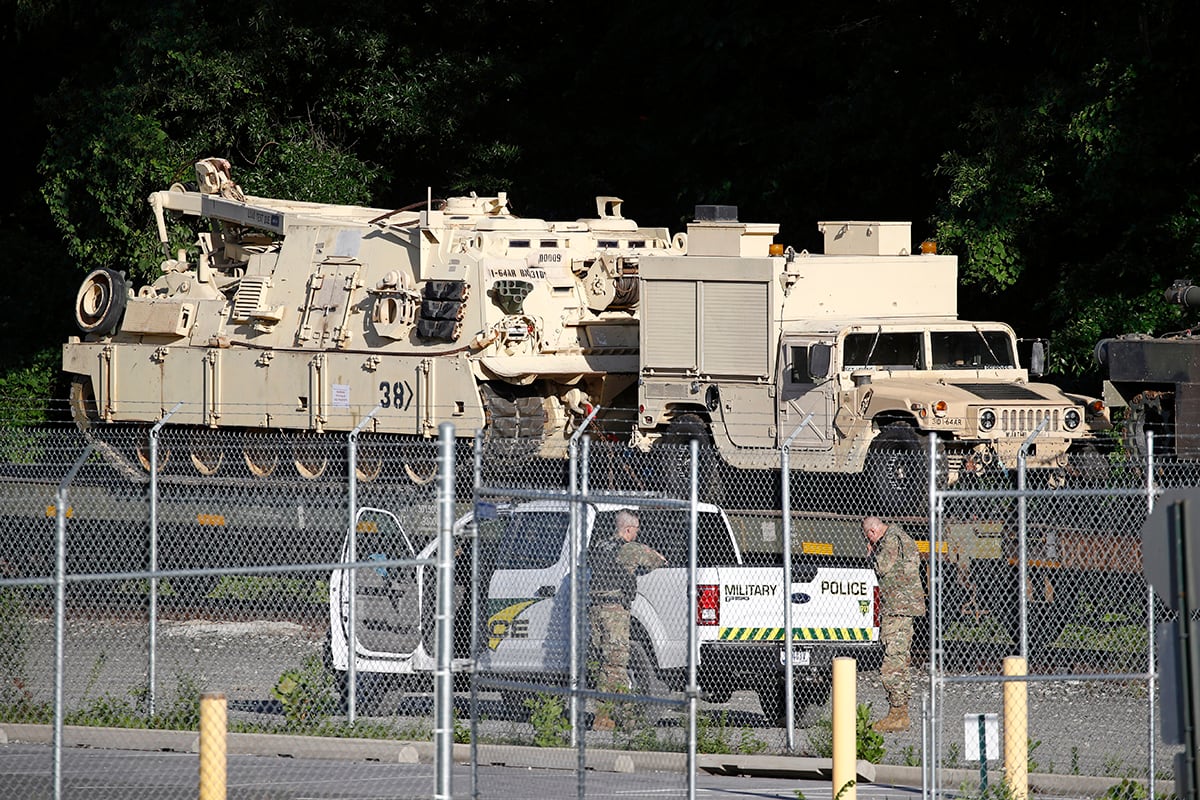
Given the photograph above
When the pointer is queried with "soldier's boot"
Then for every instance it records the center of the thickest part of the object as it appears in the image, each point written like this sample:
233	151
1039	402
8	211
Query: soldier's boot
602	720
896	720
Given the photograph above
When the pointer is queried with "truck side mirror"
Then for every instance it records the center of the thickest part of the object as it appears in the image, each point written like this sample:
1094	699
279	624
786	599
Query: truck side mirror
1037	359
819	357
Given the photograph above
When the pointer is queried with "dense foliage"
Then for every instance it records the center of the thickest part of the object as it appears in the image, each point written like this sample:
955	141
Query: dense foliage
1051	146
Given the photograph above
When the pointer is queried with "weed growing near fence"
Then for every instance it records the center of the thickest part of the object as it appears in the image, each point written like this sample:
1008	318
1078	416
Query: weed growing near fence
868	744
714	734
550	725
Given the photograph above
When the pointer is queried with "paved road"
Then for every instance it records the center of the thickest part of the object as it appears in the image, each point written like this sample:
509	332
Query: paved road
102	774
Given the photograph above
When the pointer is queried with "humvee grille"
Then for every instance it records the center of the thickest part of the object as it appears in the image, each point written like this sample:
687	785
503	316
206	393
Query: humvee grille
1024	420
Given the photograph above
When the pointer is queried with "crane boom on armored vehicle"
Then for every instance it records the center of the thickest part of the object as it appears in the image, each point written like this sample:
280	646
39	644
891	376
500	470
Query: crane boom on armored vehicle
305	317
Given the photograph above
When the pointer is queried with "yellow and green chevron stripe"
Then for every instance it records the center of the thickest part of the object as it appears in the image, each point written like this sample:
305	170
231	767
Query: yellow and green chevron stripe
798	634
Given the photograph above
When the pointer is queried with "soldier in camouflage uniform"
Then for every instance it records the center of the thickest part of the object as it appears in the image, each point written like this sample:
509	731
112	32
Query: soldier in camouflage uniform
901	597
615	563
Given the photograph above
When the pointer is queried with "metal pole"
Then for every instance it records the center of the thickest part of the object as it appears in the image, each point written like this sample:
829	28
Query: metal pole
1180	529
443	696
693	688
575	712
1151	616
60	610
578	624
1022	540
474	533
785	493
929	760
573	604
352	578
152	667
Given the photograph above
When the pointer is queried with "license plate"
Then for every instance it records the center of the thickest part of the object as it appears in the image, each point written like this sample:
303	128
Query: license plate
799	657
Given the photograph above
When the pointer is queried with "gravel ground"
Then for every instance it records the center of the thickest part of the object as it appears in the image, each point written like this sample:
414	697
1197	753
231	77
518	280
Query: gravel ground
1075	727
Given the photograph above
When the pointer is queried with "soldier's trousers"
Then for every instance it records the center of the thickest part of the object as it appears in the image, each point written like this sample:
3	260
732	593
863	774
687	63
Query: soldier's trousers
897	635
610	646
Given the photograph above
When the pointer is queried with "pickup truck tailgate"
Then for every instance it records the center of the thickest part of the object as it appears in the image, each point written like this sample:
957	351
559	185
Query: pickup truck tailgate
837	604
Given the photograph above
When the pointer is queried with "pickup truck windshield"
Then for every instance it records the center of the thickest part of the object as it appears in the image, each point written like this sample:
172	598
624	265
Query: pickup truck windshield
972	350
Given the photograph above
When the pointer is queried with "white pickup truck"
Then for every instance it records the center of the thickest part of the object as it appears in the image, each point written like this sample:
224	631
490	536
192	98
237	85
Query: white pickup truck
525	553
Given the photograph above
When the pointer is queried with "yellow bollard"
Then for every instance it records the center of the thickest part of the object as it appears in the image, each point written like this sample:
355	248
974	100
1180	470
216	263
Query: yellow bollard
1016	729
212	746
845	728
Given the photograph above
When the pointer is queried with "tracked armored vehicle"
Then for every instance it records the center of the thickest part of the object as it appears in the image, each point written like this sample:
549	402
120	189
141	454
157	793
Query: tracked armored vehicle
304	318
1156	381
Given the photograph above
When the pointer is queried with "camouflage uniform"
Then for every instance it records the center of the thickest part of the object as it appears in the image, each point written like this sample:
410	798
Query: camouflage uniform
615	565
901	597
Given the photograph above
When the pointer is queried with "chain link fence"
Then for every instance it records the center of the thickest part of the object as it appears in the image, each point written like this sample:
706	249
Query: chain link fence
222	571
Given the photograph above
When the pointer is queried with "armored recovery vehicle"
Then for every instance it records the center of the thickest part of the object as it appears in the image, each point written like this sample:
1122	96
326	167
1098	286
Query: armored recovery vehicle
1156	381
302	317
742	339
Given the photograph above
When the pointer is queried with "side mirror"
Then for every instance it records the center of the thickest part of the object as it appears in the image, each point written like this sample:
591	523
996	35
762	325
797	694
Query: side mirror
1037	359
819	357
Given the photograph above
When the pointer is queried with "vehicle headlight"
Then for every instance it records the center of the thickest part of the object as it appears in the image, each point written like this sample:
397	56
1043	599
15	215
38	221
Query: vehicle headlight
1072	418
987	419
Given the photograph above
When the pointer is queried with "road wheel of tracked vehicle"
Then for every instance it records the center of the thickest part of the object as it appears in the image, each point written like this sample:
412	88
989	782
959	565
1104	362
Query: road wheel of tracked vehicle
310	455
100	302
261	456
898	470
677	464
206	451
368	460
141	451
86	415
420	461
83	404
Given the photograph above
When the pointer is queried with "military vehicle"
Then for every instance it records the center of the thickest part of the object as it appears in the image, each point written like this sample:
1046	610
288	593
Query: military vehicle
743	340
1156	382
304	317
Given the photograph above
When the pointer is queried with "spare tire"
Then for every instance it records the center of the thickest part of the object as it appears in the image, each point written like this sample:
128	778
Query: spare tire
101	302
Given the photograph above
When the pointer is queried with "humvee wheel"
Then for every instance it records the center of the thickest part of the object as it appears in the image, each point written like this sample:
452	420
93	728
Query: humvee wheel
677	465
898	469
206	451
100	302
262	459
310	455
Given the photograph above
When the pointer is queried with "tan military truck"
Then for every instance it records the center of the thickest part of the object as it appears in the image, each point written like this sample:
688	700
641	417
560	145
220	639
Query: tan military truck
743	339
299	317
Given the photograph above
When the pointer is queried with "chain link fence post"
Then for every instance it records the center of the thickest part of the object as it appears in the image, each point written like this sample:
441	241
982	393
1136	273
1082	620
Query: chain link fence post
60	611
152	667
444	694
352	578
785	494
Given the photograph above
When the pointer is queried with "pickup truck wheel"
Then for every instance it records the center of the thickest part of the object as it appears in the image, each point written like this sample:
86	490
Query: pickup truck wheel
371	687
805	695
898	470
643	676
717	692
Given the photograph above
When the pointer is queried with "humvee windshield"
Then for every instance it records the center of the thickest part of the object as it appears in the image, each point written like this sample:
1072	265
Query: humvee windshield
886	350
972	350
975	349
